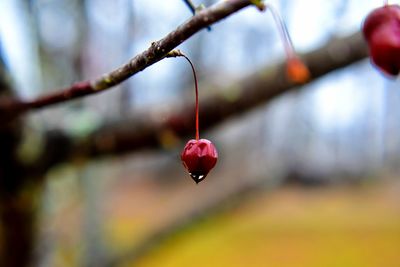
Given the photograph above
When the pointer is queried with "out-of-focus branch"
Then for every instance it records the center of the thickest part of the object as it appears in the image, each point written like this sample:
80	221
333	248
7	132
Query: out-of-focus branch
149	130
157	51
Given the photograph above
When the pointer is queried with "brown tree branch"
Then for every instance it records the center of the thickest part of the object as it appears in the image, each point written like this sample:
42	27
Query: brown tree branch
156	52
148	130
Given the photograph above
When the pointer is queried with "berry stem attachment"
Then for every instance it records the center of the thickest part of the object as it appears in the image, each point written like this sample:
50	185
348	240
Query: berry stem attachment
385	2
178	53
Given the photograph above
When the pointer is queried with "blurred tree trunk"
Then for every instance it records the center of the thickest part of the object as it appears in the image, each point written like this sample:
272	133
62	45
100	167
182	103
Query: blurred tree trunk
17	205
17	213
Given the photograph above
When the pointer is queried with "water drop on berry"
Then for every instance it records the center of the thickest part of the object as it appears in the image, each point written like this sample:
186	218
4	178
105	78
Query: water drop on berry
197	177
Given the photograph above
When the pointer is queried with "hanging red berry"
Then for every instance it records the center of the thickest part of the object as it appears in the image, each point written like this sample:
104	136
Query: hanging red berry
199	156
381	29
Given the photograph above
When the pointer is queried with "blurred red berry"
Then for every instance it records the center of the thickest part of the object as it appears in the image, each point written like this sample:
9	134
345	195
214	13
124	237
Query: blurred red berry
199	157
380	16
297	71
382	31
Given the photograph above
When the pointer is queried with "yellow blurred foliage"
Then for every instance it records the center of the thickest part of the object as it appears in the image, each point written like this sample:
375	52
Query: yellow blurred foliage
293	227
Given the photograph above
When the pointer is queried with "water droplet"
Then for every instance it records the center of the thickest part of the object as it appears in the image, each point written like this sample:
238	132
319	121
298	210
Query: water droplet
197	177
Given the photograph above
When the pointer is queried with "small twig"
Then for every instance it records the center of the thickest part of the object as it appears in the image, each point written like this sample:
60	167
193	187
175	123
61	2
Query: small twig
190	5
193	9
175	53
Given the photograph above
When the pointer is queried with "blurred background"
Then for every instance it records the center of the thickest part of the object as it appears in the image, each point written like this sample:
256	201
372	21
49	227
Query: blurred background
308	178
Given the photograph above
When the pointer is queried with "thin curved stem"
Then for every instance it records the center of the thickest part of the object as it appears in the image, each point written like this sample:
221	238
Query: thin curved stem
197	95
385	2
178	53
